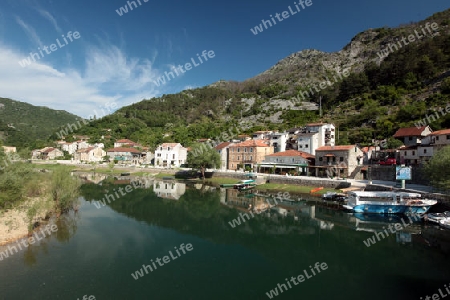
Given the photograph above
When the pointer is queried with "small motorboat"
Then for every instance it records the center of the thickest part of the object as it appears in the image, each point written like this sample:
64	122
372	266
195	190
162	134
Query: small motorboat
436	217
333	196
445	223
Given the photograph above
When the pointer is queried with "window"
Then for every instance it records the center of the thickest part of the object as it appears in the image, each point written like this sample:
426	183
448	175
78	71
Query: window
410	138
414	153
251	149
245	149
332	136
437	138
320	158
239	149
251	157
424	151
300	146
448	137
334	159
341	158
173	156
168	148
159	155
306	146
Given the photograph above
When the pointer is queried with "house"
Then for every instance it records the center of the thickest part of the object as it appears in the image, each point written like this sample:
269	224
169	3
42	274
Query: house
50	153
412	136
170	155
290	160
409	155
369	152
223	150
248	154
71	148
440	139
261	135
8	149
125	155
125	143
341	161
244	137
278	141
90	154
315	135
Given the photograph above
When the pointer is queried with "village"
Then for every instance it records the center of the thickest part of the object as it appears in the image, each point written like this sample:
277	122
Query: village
304	151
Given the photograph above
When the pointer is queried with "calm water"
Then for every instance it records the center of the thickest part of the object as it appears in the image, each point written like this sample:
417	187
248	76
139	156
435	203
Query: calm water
96	250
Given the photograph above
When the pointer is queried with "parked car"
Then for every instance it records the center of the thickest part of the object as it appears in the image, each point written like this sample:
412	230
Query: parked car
388	161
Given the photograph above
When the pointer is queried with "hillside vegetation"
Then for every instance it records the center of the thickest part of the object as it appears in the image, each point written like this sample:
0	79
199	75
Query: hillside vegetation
23	124
380	95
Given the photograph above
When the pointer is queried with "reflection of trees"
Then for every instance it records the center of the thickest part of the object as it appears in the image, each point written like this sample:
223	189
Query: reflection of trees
67	226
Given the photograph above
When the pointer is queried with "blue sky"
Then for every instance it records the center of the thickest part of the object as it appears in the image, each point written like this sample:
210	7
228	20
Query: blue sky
116	59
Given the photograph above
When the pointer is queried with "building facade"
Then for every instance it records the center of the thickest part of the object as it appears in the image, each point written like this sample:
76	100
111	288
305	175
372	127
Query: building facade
170	155
248	154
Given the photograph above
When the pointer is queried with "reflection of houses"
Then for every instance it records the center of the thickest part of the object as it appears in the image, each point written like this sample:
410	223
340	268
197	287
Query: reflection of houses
248	154
121	154
290	160
91	154
223	151
170	154
341	161
169	189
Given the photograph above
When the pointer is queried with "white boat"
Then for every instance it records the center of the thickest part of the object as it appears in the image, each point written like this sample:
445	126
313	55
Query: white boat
388	203
445	223
436	217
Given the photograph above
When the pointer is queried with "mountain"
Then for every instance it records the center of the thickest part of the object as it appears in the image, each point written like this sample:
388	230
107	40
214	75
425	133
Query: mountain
22	124
383	79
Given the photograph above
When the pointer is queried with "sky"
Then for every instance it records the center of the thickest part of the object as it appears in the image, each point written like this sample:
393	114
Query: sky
91	57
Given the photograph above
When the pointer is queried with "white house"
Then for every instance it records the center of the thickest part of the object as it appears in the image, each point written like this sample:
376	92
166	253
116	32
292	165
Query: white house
91	154
170	154
440	138
315	135
290	160
278	141
222	149
69	147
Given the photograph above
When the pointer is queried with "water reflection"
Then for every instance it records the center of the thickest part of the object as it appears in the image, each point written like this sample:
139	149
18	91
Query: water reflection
169	189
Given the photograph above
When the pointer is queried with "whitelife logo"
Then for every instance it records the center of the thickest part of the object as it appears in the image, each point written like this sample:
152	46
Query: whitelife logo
32	57
187	66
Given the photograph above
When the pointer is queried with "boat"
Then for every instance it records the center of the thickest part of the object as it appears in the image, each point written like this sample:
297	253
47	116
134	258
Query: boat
388	203
445	223
333	196
125	174
316	190
246	181
244	186
436	217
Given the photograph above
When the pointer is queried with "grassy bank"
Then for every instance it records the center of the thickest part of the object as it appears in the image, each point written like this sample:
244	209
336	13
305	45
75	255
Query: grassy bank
292	188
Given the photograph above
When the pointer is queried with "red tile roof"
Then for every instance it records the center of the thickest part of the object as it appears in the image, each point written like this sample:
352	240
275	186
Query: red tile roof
251	143
125	141
169	145
123	149
411	131
222	145
315	124
85	150
293	153
336	148
440	132
48	150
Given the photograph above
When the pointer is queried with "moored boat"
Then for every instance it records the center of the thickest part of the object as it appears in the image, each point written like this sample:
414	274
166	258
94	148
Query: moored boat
436	217
445	223
232	185
388	203
333	196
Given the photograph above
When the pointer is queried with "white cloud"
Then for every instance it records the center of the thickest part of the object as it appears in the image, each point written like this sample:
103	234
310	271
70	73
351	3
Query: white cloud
50	18
109	76
29	31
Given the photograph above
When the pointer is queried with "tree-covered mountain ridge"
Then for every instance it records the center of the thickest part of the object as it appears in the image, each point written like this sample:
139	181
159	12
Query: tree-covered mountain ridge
384	91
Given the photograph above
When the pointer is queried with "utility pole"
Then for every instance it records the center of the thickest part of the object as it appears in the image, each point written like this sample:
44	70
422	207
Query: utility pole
320	106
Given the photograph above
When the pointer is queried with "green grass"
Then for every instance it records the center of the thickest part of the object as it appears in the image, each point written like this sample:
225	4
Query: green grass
292	188
53	166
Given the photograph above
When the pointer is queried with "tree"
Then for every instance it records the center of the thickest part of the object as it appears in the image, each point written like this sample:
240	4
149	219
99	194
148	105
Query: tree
64	189
437	168
203	156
